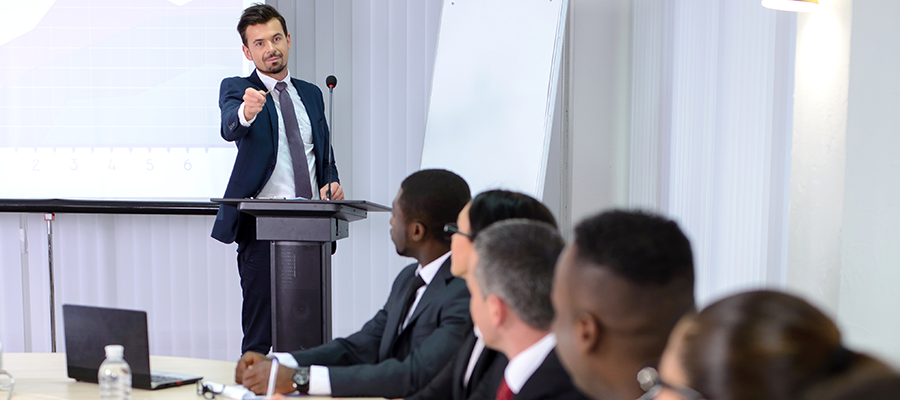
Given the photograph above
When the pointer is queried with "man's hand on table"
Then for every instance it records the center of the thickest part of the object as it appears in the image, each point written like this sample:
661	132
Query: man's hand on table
247	360
256	376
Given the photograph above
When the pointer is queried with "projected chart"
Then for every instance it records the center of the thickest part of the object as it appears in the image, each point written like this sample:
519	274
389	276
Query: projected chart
116	99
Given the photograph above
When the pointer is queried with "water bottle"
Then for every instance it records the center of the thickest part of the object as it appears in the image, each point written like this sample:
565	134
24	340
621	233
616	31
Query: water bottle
114	375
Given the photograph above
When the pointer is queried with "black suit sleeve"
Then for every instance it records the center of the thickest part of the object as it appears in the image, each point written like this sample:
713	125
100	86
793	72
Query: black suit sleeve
441	387
231	96
358	348
393	378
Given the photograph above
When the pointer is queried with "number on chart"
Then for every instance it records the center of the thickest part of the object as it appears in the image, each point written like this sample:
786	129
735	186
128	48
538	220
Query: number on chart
111	165
149	164
74	165
35	166
187	165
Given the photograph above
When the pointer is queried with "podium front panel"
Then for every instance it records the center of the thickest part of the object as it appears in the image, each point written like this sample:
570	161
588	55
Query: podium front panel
301	295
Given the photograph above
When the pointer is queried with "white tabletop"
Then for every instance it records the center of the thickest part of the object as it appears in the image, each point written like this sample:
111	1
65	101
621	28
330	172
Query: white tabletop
43	376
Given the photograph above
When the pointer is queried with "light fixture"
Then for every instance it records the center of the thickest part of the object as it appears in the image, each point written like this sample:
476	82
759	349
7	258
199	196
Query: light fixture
792	5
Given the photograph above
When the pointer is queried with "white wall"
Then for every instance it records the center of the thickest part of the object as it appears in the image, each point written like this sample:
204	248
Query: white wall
819	145
599	104
870	249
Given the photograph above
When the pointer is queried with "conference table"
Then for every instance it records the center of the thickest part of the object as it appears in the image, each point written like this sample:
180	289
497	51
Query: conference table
42	376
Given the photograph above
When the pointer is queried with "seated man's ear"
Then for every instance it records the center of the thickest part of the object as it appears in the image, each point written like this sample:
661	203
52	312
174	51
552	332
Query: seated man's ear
417	231
589	332
498	310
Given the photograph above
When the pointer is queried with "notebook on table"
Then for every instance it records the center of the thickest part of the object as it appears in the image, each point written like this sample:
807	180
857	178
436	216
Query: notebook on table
89	329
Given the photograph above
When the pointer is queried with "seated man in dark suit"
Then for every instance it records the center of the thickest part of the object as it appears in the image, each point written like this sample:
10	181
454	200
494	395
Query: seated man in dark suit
466	373
416	332
619	289
511	306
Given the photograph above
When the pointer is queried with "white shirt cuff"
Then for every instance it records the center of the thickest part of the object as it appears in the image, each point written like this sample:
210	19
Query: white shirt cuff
246	123
286	359
319	381
319	377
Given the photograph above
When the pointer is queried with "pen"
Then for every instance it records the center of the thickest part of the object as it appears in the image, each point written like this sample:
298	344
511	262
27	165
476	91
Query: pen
273	373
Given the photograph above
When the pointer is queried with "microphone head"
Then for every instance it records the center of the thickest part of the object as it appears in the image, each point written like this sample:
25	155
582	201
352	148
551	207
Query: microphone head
331	81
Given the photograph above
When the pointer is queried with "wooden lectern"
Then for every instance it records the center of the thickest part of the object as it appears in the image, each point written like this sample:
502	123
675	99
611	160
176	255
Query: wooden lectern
302	232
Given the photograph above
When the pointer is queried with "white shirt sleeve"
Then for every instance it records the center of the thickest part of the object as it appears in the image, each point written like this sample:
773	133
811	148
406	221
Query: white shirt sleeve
246	123
286	359
319	378
319	381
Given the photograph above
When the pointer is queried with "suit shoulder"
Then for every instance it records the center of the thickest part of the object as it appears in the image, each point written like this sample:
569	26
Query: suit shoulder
236	82
408	270
304	85
404	276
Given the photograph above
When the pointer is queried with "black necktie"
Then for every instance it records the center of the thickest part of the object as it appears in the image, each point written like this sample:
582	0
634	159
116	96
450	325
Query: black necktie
414	286
302	186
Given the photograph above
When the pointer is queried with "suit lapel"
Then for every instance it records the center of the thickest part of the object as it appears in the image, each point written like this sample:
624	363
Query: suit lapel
310	106
393	317
434	292
269	108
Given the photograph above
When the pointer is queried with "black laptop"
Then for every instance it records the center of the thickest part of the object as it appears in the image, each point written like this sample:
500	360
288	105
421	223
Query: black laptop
89	329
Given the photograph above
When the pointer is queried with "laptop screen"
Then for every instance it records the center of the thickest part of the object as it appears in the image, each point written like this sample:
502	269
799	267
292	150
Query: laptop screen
89	329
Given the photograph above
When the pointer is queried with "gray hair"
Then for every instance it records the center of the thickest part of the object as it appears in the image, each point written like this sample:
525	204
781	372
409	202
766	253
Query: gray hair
516	258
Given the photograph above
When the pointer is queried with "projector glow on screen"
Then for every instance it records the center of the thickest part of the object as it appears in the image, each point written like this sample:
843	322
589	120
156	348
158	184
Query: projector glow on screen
116	99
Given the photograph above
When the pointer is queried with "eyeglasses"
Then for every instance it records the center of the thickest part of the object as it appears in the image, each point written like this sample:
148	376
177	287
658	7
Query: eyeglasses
650	381
209	390
452	228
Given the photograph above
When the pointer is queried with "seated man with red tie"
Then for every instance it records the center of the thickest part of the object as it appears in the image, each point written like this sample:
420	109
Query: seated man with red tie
419	328
510	305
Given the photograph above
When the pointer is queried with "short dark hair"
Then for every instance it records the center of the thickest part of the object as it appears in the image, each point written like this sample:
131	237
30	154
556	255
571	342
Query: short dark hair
768	345
496	205
641	247
258	14
434	197
516	259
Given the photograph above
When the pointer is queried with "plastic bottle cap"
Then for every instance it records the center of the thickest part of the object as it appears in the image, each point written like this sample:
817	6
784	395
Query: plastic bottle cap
115	351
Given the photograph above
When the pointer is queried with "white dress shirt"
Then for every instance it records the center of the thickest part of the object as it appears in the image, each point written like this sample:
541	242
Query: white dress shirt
523	365
281	183
319	378
473	359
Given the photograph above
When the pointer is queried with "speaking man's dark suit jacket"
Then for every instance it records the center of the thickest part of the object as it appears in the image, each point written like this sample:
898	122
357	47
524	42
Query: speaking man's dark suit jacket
448	384
258	145
549	382
379	362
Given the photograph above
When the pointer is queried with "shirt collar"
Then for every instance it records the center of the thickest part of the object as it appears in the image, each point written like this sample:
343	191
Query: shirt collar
428	272
270	82
523	365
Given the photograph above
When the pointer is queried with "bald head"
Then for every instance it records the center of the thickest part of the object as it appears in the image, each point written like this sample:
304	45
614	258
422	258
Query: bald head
619	290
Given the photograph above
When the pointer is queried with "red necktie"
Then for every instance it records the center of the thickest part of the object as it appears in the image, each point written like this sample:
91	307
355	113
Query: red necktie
503	392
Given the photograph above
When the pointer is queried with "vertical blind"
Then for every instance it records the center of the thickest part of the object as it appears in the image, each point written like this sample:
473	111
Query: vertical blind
711	117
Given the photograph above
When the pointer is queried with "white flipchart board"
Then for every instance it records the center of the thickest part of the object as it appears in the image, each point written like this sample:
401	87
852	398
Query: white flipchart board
493	91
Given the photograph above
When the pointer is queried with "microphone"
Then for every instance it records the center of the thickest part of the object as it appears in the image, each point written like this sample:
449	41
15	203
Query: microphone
331	82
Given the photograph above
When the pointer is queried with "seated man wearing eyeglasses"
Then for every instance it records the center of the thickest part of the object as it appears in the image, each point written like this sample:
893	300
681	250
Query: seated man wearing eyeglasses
619	289
510	305
420	326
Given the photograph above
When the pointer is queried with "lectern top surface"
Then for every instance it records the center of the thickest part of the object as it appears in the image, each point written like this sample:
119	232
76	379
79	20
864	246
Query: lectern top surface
301	203
349	210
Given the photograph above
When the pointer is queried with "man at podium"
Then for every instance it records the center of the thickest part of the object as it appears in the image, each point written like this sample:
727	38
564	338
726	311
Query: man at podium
278	124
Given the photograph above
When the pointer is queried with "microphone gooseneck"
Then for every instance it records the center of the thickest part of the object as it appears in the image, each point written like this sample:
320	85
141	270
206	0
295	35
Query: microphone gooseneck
331	82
